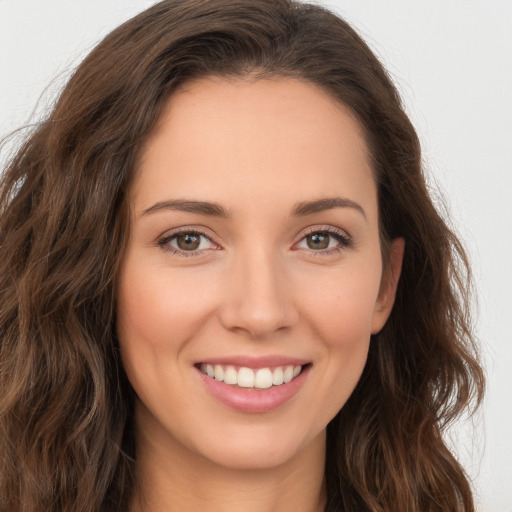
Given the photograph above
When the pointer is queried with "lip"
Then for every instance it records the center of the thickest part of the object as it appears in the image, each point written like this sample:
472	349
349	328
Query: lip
251	400
255	362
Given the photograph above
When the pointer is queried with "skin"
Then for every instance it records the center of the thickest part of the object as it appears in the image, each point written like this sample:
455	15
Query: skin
256	286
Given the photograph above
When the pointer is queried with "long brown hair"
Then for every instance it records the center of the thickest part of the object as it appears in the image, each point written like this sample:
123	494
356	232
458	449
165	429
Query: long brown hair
66	439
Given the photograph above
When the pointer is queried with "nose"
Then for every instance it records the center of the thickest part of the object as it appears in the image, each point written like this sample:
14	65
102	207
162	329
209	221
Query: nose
258	298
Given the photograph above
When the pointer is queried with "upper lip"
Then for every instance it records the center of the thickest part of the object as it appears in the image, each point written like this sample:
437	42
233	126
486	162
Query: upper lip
255	362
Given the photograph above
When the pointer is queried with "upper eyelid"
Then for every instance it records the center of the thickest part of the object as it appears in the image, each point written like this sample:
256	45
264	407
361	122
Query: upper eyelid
206	231
325	229
202	230
170	234
320	229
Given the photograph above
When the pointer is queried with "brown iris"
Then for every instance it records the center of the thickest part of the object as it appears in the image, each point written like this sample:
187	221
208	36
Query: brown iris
318	240
188	241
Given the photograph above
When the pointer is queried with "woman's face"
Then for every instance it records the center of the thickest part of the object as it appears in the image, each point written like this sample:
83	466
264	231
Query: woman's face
254	254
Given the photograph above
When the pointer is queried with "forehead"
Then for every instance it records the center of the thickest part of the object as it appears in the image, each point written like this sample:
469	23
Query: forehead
254	140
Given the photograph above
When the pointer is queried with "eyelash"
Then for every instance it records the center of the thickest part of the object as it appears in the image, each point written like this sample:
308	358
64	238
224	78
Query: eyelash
344	240
163	242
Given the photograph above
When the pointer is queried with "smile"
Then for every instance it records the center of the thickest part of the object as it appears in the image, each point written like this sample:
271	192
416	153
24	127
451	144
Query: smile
258	378
253	385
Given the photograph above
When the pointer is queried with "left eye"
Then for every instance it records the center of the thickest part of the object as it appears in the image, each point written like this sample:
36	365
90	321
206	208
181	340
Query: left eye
187	241
323	240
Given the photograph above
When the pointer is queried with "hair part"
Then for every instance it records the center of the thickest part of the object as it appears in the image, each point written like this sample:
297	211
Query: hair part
66	439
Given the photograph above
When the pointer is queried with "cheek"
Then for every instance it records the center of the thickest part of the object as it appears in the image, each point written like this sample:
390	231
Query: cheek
159	313
340	308
157	306
341	303
344	328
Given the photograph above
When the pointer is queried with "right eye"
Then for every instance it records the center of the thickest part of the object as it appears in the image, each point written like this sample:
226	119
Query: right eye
186	243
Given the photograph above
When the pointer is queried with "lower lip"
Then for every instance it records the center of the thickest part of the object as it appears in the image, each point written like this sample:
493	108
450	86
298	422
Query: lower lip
253	400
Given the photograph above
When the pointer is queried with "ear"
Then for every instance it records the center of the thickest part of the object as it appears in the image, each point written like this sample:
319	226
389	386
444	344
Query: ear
388	285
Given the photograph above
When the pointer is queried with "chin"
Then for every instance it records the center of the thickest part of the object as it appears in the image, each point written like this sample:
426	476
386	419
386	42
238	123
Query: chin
265	449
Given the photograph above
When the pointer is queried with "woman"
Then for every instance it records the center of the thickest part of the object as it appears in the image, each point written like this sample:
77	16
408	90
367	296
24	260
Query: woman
224	283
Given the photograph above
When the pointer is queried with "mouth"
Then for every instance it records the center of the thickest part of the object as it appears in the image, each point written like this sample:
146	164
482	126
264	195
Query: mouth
252	378
254	385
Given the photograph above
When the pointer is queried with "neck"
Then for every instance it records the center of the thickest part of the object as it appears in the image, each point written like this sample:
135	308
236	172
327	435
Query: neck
171	478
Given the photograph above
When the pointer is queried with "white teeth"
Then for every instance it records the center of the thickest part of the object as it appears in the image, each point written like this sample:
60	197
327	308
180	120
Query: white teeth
245	378
277	377
262	378
230	375
219	372
288	374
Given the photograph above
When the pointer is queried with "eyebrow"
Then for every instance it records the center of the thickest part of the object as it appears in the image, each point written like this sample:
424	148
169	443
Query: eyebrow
186	205
216	210
328	203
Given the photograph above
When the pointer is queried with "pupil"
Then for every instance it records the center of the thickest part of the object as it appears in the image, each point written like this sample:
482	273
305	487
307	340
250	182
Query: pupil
318	241
188	242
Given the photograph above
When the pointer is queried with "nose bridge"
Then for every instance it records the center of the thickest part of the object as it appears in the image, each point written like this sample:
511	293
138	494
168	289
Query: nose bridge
258	298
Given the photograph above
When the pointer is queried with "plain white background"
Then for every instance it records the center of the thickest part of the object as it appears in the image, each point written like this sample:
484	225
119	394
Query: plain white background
452	62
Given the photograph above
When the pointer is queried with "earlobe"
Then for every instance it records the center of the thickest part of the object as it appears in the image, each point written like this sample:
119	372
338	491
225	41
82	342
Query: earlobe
389	285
